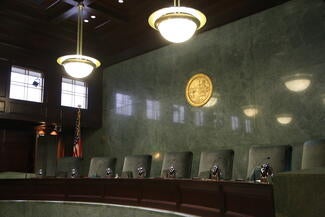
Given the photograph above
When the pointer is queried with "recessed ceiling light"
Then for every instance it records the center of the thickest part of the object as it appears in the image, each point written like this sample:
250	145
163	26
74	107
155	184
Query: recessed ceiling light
86	21
120	1
93	17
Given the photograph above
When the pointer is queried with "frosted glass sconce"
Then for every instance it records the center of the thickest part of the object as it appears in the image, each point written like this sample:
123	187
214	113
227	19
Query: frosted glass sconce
297	82
284	119
250	110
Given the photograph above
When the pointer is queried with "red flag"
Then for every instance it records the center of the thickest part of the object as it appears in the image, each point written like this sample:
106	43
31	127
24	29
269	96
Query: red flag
77	145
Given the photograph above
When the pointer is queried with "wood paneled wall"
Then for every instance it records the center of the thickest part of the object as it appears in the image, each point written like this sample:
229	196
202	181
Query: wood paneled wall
18	118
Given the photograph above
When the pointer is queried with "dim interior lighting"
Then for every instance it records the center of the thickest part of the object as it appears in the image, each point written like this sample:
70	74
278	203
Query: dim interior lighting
50	129
78	65
156	155
41	132
177	24
54	131
284	119
297	82
250	110
212	101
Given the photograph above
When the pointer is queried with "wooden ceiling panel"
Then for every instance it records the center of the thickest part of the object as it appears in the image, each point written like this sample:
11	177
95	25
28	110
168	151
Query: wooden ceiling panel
119	32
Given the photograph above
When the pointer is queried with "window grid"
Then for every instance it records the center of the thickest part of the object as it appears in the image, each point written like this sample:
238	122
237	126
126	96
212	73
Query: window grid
74	93
248	126
26	84
234	122
123	104
153	109
178	114
199	118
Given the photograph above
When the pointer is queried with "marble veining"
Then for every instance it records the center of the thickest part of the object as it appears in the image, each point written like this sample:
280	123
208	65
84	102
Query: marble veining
245	60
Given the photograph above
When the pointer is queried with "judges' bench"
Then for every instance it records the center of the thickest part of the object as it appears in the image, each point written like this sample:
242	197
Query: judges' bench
198	197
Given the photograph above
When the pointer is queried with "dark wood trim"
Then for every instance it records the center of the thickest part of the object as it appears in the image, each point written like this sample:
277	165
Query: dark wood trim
203	198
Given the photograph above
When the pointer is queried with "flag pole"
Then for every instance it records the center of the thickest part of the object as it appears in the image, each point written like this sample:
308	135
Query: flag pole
77	144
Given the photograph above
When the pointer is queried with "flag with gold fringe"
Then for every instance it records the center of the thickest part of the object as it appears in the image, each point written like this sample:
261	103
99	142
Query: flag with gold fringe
77	144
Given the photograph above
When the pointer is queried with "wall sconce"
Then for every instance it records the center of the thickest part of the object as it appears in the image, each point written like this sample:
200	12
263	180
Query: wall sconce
41	132
284	119
54	130
51	129
177	24
250	110
297	82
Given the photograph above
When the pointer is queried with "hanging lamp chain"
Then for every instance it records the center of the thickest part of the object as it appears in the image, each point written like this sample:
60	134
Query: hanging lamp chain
80	29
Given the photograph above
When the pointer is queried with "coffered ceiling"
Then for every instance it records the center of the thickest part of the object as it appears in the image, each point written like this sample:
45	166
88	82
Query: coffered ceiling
119	31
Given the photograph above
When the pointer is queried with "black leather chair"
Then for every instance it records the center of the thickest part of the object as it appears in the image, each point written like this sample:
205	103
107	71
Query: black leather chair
223	159
68	167
177	165
136	166
102	167
313	154
278	157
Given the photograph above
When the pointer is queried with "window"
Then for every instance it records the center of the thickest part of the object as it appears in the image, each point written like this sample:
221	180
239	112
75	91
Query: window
178	114
248	126
123	105
74	93
153	109
26	84
234	122
199	118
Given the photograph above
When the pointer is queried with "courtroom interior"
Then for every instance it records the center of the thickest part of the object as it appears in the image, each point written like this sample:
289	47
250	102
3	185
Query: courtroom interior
105	112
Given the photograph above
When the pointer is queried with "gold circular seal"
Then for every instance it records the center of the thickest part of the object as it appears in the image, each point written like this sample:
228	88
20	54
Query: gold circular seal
198	90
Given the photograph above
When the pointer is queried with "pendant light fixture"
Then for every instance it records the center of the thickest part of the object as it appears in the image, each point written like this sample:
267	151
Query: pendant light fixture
297	82
250	110
177	24
78	65
284	119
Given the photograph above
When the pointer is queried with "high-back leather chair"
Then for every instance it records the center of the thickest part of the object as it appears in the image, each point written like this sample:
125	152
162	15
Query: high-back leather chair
278	157
102	167
68	165
313	154
136	166
177	165
223	159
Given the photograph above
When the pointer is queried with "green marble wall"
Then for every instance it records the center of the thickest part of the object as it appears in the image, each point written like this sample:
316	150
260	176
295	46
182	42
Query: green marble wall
77	209
246	60
300	193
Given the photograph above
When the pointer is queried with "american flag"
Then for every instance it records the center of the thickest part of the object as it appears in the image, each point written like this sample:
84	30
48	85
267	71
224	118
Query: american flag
77	145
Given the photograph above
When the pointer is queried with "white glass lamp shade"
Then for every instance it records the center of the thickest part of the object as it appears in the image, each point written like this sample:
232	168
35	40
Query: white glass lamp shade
250	110
78	66
177	24
212	102
177	29
284	119
297	82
